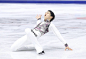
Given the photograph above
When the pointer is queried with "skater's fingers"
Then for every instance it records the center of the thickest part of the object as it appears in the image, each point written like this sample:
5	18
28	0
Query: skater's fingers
70	49
65	49
40	15
37	16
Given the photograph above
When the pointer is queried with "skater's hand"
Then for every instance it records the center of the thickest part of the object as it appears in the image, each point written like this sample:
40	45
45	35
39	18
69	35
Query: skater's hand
68	48
38	16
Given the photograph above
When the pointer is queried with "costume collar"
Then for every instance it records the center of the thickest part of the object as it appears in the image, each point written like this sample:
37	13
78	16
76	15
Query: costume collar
47	20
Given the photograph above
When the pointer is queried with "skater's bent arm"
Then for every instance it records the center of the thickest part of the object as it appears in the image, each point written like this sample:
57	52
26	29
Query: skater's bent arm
38	17
56	32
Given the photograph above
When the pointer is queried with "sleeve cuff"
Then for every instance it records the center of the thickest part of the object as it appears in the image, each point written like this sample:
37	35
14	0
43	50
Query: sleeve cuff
39	19
66	45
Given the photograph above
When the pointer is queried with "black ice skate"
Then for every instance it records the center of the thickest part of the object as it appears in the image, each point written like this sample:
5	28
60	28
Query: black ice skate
42	52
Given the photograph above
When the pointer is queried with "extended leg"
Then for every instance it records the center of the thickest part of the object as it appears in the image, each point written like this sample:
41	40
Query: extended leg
17	44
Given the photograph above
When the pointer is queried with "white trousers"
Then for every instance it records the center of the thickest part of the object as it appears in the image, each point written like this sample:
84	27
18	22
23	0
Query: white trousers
27	39
30	38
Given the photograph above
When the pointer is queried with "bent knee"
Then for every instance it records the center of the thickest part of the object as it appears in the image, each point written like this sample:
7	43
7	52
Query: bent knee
13	49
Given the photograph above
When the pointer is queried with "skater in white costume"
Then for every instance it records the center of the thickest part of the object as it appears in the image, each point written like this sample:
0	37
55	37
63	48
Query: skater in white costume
33	34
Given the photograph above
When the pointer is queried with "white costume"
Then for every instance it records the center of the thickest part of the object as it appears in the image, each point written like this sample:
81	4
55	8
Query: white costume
30	37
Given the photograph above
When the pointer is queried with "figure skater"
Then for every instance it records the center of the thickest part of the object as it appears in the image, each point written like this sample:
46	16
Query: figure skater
32	35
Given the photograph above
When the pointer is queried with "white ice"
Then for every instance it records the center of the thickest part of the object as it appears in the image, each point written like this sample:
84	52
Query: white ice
14	18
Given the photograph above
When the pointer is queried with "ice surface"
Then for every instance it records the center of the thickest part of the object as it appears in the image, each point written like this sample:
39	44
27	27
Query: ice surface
14	18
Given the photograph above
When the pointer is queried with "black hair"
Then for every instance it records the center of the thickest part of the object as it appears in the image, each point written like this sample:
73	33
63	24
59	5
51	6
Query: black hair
52	14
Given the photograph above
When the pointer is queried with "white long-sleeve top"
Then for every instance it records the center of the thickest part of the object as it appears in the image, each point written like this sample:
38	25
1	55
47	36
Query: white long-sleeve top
52	28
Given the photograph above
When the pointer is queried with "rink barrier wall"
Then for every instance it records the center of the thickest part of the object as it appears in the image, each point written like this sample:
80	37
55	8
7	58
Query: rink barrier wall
63	2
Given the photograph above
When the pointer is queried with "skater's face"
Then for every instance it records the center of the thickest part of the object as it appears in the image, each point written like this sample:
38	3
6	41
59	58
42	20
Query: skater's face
47	16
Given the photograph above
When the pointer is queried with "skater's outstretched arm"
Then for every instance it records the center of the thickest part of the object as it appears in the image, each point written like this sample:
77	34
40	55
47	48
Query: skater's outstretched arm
38	17
57	33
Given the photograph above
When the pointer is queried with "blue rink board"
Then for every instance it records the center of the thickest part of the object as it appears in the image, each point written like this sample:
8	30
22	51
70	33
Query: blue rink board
41	1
